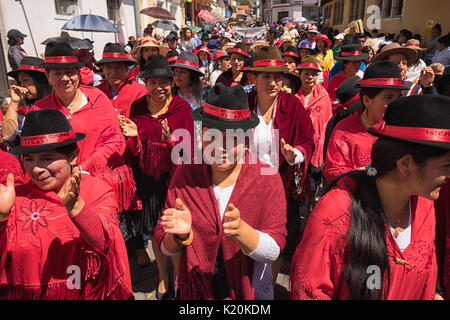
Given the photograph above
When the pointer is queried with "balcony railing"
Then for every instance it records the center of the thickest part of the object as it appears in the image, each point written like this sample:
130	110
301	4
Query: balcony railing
281	2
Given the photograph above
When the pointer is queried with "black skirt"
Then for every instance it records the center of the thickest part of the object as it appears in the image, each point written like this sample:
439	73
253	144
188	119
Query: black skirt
153	195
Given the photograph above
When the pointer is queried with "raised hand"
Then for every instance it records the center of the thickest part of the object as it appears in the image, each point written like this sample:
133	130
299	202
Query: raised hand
165	131
70	195
17	93
426	76
231	222
128	127
7	197
287	151
178	220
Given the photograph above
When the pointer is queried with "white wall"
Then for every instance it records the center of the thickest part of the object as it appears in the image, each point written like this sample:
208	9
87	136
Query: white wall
45	23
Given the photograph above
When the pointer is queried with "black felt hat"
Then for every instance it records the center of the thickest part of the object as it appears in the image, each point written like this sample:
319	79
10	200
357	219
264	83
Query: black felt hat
351	52
59	54
226	108
45	130
188	60
28	64
114	52
382	75
348	95
422	119
157	67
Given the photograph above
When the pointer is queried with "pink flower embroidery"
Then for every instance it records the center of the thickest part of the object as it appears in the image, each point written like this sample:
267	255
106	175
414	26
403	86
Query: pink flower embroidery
34	216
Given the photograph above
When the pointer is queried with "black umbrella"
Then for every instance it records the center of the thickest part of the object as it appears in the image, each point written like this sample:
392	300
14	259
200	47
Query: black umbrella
75	43
165	25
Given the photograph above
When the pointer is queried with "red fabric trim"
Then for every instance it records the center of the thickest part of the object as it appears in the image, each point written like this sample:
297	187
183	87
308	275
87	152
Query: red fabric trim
46	138
382	81
226	113
268	62
352	100
33	68
290	53
115	55
61	59
189	63
412	45
237	50
350	54
149	41
413	133
171	59
308	65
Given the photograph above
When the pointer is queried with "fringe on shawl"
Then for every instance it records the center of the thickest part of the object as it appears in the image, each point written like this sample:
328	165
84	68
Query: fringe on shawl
156	159
196	286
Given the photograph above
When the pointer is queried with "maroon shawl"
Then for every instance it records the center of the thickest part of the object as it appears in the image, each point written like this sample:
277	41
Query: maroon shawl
154	154
295	126
262	205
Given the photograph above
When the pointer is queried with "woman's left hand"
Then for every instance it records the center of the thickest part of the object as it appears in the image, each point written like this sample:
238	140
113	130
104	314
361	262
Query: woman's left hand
71	193
232	222
287	151
426	77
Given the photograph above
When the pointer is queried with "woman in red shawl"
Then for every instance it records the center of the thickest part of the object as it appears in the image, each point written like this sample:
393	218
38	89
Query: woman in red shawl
351	57
284	138
153	120
316	101
442	206
10	164
225	216
59	234
372	235
235	75
90	112
121	90
350	143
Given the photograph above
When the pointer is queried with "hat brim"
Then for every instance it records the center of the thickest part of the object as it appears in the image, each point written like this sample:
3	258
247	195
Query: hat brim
47	147
48	66
269	69
327	41
110	60
436	144
187	67
255	45
224	124
359	57
14	74
136	52
358	85
410	54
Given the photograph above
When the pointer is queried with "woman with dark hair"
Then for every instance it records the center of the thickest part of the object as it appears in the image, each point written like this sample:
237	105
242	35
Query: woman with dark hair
370	54
187	79
371	236
234	75
59	234
350	143
32	85
15	51
148	47
442	53
187	41
153	118
221	64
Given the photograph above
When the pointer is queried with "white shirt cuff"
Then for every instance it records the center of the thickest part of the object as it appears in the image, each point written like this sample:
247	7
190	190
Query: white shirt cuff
299	158
267	250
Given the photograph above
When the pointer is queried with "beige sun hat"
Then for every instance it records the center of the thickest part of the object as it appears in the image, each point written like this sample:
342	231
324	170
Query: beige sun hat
149	42
414	44
394	48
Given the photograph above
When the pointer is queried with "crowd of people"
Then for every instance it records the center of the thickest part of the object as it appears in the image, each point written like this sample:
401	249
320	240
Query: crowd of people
342	171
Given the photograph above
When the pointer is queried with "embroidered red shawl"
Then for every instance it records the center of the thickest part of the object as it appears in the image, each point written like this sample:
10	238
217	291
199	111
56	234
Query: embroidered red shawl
41	247
262	205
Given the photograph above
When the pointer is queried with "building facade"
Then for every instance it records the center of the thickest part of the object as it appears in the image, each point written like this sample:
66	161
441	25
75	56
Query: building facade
275	10
393	15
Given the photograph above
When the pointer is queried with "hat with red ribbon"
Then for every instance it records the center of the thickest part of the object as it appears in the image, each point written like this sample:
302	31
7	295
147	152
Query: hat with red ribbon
268	59
46	130
310	63
239	49
59	54
351	52
226	108
324	38
382	75
114	52
422	119
188	60
28	64
291	52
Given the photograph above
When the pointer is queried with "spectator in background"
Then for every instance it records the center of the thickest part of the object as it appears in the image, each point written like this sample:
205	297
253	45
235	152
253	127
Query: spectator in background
413	73
374	33
132	43
431	45
370	54
187	41
442	53
15	51
148	31
404	36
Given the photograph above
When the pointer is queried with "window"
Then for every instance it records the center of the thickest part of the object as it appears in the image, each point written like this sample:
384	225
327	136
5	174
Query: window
387	8
392	8
398	8
327	12
66	7
356	10
282	14
338	15
113	9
